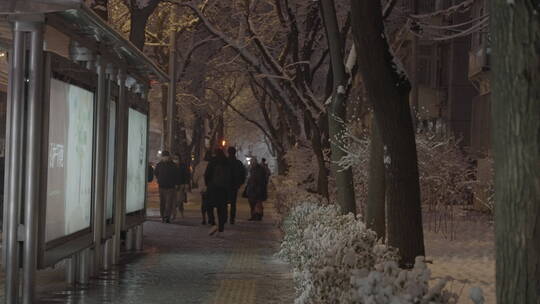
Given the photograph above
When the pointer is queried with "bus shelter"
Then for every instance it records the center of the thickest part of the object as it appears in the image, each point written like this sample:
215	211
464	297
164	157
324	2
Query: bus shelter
76	142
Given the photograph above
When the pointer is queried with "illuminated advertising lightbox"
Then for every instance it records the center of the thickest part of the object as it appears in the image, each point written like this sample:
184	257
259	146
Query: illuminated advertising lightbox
136	162
111	143
69	174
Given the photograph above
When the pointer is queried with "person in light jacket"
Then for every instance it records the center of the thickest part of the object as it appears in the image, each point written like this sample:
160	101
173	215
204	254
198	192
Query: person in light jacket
200	186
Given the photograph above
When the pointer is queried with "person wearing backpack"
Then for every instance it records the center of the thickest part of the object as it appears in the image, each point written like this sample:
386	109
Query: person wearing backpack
183	177
239	178
218	178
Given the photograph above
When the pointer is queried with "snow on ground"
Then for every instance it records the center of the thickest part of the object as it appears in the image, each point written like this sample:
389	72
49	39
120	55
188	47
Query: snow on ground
469	258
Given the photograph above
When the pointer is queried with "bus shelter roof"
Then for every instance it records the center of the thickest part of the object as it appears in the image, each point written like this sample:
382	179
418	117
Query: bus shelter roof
81	24
9	7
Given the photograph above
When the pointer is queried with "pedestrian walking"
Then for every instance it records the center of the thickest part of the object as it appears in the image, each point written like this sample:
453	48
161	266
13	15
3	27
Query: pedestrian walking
266	169
256	190
166	174
200	186
182	182
150	172
218	179
239	178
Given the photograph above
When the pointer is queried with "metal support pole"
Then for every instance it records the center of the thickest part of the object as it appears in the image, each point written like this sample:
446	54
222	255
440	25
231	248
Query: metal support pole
91	263
112	78
83	267
15	160
107	257
129	240
71	269
119	180
33	165
100	161
139	238
124	112
171	103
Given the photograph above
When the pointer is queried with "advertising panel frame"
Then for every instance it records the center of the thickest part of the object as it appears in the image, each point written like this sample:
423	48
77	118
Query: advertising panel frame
138	217
62	69
113	94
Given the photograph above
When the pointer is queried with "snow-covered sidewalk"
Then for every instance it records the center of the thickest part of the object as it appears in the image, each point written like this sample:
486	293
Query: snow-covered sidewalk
469	258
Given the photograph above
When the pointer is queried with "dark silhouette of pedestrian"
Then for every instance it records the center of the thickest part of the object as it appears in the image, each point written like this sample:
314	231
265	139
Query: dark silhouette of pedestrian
150	172
166	174
256	190
239	178
182	182
218	179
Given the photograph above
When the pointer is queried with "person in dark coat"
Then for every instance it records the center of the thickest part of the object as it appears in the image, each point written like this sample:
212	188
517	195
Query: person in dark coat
218	178
183	177
266	169
256	190
239	178
166	173
150	172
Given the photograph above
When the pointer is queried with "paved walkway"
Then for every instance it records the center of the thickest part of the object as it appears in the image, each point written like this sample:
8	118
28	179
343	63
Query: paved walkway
180	263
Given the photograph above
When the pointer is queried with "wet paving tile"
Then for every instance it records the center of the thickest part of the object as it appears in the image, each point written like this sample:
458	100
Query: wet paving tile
180	263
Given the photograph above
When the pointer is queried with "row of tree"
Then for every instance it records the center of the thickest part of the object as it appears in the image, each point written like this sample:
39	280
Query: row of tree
303	62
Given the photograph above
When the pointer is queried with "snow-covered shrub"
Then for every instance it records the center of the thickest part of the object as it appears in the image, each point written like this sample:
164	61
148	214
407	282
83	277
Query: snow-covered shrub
445	172
357	150
446	179
390	284
338	260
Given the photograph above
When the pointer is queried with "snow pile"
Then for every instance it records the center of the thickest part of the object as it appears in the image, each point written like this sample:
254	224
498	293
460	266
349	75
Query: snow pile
338	260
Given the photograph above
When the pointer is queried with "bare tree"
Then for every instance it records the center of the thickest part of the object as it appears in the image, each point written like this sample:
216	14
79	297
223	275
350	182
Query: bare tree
337	108
140	12
388	89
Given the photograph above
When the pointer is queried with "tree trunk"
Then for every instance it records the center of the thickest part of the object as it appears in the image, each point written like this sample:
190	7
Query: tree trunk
181	141
389	89
281	162
375	209
337	114
164	98
197	139
516	135
139	19
317	147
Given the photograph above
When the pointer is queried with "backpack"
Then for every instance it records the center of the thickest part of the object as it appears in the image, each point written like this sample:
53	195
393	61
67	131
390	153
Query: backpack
221	176
239	173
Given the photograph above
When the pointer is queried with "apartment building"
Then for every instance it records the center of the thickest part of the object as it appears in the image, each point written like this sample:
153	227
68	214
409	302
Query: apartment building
441	67
451	61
